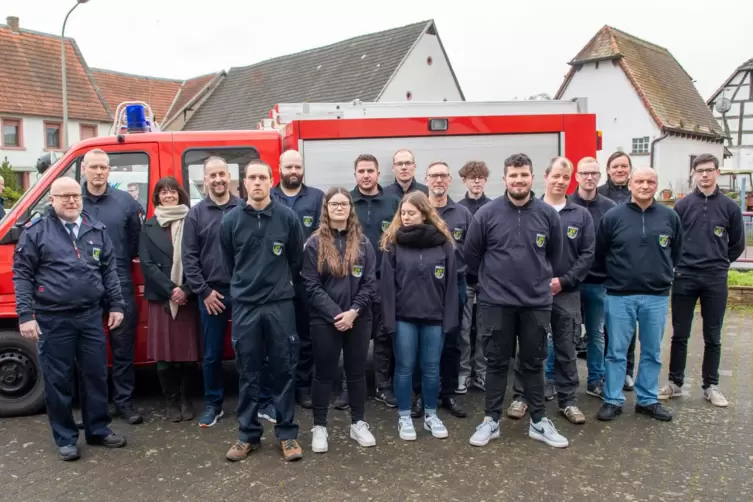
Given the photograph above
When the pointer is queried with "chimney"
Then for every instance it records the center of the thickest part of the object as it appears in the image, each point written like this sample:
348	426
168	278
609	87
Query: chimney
13	24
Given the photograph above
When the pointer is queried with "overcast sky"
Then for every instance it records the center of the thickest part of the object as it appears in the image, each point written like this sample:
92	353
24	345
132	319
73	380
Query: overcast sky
499	49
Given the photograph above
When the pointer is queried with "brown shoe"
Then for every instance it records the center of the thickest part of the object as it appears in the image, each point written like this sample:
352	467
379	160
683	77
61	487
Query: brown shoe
517	409
573	414
291	450
240	450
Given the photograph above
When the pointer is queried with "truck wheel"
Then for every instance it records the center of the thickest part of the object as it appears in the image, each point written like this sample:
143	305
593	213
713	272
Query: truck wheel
21	385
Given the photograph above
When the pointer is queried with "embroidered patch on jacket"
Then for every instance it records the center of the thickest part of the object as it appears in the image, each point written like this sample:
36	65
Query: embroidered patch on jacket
439	271
663	240
457	233
718	231
385	225
308	220
540	240
95	253
357	270
277	248
572	232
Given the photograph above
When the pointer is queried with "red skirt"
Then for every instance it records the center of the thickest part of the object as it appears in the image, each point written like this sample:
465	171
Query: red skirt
173	340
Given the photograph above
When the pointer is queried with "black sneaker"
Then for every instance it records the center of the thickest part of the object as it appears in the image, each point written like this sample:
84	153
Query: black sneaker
303	396
387	397
129	413
608	412
655	411
342	403
451	404
549	390
595	389
111	441
417	410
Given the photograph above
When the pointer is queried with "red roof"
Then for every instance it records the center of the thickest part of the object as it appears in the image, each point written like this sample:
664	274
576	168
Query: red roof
190	90
31	81
666	89
117	87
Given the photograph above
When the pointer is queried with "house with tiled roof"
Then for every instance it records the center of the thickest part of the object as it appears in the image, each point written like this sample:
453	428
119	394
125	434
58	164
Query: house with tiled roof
31	99
399	64
732	105
645	104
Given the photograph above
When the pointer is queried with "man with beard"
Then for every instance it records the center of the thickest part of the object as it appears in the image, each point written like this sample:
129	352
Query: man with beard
261	243
577	257
404	169
512	246
306	202
205	274
472	366
375	210
592	292
639	244
617	188
122	218
458	219
715	232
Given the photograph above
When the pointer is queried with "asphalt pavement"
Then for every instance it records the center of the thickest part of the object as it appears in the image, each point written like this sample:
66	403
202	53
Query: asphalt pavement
704	454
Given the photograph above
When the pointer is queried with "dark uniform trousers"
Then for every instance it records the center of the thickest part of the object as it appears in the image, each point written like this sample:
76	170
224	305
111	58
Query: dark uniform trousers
565	330
70	339
258	331
384	356
305	371
504	327
122	344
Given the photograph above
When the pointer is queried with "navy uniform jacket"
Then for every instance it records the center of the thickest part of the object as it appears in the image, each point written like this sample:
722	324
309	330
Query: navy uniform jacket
50	274
329	296
307	205
639	249
513	251
396	190
597	207
458	219
375	214
473	205
122	217
578	248
262	252
619	194
714	233
202	259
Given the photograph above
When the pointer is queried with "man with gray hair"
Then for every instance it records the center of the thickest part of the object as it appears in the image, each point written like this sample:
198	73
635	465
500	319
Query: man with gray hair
122	217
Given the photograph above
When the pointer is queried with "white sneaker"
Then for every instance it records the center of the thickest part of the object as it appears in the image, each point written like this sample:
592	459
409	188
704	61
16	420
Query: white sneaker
545	431
463	383
715	396
319	439
629	383
433	424
405	429
669	391
485	432
361	433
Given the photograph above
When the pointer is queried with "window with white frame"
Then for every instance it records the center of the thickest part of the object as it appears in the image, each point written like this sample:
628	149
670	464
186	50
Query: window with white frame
640	145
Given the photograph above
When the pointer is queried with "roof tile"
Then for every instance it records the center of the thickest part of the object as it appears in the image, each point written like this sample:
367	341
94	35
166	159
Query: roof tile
118	87
358	68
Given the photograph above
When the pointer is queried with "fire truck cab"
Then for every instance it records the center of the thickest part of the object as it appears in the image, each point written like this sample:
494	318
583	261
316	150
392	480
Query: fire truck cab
328	135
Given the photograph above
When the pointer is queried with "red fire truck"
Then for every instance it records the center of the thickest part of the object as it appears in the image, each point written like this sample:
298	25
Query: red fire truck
328	135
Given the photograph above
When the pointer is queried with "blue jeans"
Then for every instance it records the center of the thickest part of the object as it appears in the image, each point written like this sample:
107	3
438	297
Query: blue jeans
409	339
549	364
650	312
214	331
593	298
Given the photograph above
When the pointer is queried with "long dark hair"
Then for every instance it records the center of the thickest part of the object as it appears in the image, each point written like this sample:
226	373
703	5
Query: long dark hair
329	256
170	183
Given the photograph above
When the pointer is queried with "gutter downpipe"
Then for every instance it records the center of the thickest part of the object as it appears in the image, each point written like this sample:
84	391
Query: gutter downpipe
665	133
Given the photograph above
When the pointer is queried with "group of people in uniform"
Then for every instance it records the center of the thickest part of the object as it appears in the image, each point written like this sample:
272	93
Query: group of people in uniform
311	279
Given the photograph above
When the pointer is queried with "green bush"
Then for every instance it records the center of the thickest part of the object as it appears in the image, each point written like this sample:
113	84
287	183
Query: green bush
12	191
740	278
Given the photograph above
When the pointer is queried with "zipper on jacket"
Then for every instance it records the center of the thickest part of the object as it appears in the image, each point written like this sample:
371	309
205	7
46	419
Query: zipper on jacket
519	223
643	223
258	221
421	261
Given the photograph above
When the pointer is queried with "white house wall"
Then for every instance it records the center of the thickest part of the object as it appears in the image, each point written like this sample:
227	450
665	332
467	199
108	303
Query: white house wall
34	139
620	113
425	82
741	109
672	159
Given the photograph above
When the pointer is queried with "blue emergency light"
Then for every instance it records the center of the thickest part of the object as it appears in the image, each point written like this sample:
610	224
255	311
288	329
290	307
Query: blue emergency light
136	119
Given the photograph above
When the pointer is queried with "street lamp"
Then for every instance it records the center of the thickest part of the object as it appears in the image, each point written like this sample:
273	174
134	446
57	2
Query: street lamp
65	84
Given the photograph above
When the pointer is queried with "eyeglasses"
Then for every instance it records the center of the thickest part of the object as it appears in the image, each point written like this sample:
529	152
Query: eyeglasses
335	205
476	179
589	175
438	176
705	171
67	196
403	163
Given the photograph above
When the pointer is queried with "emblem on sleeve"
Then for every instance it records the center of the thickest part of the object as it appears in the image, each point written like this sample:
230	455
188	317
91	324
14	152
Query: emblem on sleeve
457	233
439	271
572	232
357	270
540	240
308	220
718	231
95	253
663	240
385	225
277	248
